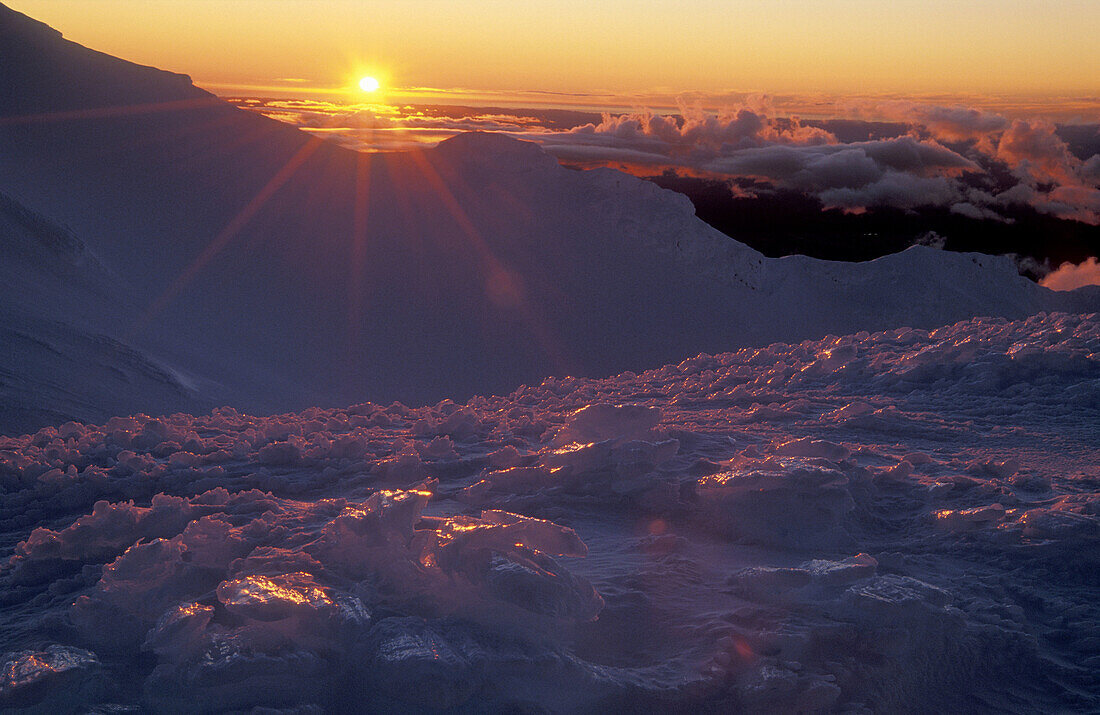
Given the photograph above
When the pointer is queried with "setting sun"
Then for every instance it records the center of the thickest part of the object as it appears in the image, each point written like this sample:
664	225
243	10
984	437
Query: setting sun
369	84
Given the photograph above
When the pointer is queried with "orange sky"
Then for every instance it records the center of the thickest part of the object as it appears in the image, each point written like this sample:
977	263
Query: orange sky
607	48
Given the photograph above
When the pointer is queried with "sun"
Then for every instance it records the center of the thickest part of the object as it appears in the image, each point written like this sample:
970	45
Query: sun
369	84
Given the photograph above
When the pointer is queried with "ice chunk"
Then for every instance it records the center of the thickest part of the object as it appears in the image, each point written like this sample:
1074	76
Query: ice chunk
961	520
600	422
278	642
1000	468
896	474
107	531
504	458
405	467
273	561
56	679
417	557
229	674
579	458
769	583
149	578
635	458
514	480
800	508
917	459
1059	524
279	454
851	411
502	530
850	569
179	632
439	448
413	663
891	596
788	585
808	447
600	469
273	598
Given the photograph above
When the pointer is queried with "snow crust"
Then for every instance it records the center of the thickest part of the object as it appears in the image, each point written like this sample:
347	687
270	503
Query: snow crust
903	521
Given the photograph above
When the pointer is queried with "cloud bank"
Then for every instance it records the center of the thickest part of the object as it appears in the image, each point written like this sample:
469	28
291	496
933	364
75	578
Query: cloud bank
974	162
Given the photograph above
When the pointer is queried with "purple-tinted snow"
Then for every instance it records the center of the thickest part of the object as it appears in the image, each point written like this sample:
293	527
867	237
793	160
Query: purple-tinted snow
905	520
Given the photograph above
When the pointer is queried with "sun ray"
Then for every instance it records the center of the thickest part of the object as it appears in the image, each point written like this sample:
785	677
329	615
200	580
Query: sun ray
201	130
359	234
228	233
503	286
397	176
358	252
193	128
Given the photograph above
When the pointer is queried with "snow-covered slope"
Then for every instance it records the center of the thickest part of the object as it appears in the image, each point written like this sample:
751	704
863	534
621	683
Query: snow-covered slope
906	521
290	272
58	361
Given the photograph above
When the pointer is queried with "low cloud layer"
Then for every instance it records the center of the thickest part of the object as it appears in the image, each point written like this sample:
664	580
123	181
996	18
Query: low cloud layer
1070	276
380	127
902	172
977	163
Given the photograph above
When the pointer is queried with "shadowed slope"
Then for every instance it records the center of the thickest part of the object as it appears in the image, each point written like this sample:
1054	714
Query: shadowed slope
288	271
55	365
46	74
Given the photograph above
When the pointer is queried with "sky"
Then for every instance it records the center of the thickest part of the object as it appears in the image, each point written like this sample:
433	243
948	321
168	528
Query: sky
603	52
974	92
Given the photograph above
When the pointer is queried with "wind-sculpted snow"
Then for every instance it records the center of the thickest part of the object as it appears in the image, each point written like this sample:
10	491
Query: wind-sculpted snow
905	521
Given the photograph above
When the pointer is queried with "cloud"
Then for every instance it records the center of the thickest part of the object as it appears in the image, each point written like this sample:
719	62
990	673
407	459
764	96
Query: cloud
948	123
1070	276
580	153
902	172
894	188
803	168
747	141
970	210
1090	171
1037	153
836	165
1048	176
975	162
917	169
1074	202
738	128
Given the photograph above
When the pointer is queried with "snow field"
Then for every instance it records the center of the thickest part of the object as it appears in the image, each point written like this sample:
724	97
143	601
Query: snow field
899	521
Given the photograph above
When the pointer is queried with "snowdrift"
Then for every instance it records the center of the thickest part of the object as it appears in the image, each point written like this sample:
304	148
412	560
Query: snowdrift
260	267
904	521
